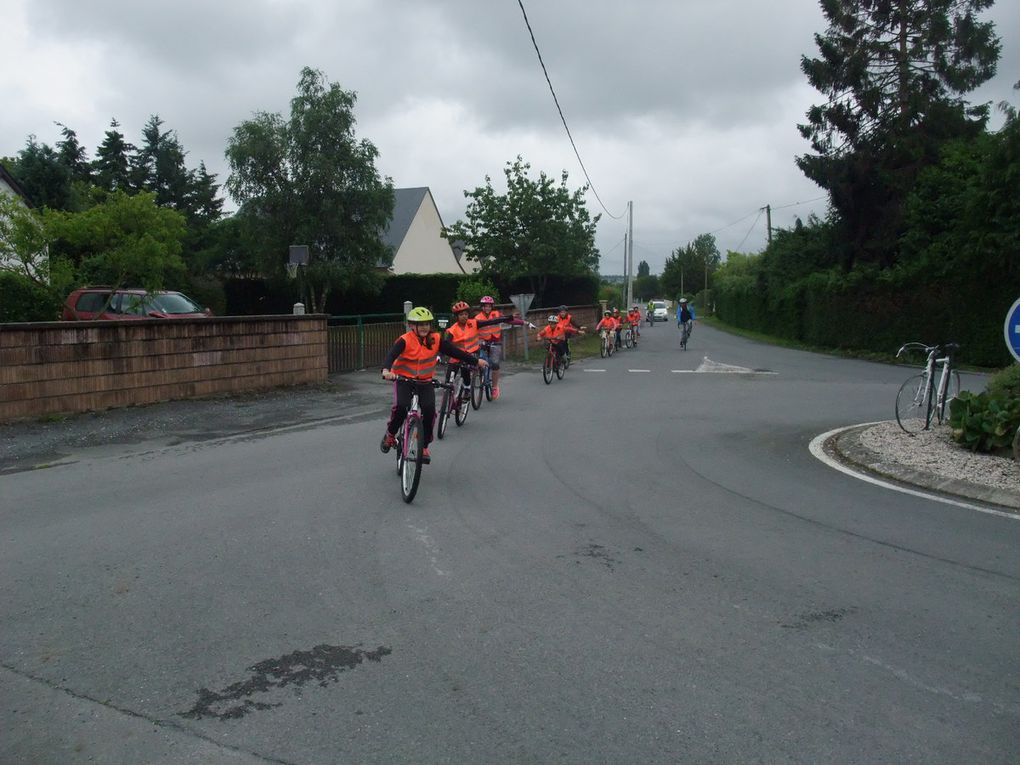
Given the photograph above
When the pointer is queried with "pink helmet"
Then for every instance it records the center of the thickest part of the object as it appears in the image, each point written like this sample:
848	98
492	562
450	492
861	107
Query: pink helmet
487	299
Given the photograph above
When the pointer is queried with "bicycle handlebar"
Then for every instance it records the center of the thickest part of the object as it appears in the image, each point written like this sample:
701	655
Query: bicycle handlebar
949	348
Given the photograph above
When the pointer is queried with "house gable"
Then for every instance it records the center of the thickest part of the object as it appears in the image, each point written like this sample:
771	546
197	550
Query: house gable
415	235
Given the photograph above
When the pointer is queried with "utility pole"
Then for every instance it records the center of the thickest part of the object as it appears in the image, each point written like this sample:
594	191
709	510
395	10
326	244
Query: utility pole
768	220
630	259
625	240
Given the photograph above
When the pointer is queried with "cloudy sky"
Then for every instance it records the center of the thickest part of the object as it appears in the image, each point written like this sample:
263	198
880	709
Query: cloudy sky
688	108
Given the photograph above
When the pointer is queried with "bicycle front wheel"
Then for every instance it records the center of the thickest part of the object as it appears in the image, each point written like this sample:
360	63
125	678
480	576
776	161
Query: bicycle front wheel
410	475
561	367
913	404
444	414
547	368
604	348
627	339
476	390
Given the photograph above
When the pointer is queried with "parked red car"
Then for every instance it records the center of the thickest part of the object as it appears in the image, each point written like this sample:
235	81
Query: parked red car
95	303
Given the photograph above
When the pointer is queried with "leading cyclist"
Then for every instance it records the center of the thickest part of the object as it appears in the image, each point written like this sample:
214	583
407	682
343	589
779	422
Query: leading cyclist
413	359
685	317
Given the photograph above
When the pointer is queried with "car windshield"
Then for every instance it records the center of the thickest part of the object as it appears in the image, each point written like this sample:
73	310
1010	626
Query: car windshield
172	303
659	304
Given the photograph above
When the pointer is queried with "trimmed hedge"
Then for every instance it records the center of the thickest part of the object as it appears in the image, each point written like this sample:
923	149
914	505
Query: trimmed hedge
876	311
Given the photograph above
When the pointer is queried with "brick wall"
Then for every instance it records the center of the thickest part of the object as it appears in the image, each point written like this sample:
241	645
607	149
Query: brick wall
59	367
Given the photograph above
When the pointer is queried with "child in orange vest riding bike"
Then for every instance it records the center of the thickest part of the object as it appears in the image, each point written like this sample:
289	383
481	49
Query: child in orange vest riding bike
412	361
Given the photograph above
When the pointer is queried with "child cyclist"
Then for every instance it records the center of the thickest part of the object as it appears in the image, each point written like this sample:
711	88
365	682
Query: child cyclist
465	332
634	317
492	339
556	332
607	327
412	363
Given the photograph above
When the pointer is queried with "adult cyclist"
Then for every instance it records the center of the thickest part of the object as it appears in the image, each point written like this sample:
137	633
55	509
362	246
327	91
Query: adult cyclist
685	319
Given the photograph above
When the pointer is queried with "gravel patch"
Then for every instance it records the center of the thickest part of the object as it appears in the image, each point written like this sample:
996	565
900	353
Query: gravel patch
935	452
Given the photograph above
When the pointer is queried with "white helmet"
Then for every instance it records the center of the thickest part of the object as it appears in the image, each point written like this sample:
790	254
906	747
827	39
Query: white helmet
553	318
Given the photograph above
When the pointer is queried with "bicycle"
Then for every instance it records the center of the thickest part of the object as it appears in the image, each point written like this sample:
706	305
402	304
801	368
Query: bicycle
456	401
920	398
608	346
554	363
628	337
411	441
686	328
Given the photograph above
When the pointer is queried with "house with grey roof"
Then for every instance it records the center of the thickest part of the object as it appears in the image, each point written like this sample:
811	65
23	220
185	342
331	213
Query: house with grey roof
415	237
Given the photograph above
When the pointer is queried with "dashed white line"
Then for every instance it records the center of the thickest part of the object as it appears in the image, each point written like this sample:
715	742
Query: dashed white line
639	370
594	370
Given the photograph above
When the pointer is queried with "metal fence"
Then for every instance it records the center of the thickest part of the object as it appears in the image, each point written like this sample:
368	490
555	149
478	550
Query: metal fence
360	342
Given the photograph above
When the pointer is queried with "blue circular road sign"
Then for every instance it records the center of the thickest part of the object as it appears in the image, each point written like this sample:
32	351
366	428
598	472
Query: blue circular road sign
1012	330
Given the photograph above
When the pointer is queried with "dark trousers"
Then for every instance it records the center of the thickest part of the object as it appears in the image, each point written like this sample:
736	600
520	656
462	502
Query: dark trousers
402	392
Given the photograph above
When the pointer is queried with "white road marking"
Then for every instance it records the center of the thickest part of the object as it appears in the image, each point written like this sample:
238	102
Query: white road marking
639	370
594	370
816	449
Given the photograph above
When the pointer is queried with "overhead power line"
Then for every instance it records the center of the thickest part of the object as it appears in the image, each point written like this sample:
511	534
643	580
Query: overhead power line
562	118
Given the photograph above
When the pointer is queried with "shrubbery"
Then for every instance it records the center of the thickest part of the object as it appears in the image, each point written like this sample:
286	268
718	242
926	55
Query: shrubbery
988	421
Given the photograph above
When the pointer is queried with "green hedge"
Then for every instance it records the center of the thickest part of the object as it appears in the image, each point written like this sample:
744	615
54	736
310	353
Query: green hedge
876	311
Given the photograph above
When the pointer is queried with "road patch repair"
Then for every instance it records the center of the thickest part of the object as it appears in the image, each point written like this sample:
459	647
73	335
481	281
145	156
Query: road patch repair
869	452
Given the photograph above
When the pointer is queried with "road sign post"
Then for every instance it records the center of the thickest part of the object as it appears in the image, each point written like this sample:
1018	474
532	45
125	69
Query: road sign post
522	303
1011	330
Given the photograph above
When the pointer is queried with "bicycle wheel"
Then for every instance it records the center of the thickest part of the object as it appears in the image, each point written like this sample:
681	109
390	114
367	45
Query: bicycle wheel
488	384
604	348
400	451
410	475
547	368
476	390
913	404
444	413
627	339
952	391
462	404
561	367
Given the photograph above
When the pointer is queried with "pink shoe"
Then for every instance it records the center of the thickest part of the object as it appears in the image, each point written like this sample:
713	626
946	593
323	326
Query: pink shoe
495	392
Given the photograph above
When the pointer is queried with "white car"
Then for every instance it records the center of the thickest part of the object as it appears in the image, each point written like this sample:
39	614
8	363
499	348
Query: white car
659	311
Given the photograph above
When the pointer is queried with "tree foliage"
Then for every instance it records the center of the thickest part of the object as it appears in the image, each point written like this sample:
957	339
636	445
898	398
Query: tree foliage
309	180
538	227
688	268
893	72
125	240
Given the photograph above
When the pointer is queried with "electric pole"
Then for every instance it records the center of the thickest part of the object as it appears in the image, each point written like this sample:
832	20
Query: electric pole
630	257
768	221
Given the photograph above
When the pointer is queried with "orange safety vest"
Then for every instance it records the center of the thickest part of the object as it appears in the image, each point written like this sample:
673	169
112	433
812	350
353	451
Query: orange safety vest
565	322
416	362
466	337
634	317
491	333
553	332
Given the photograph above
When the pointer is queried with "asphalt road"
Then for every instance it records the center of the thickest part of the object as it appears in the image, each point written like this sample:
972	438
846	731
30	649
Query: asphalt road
639	563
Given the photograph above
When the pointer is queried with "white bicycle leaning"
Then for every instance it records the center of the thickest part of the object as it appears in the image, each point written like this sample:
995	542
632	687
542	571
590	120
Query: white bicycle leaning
921	399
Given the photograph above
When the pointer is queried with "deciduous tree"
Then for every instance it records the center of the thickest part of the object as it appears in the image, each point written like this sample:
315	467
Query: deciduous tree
309	180
538	227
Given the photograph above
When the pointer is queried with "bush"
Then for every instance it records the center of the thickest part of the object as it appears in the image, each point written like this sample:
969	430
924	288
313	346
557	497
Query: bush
1005	382
984	422
474	288
23	300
